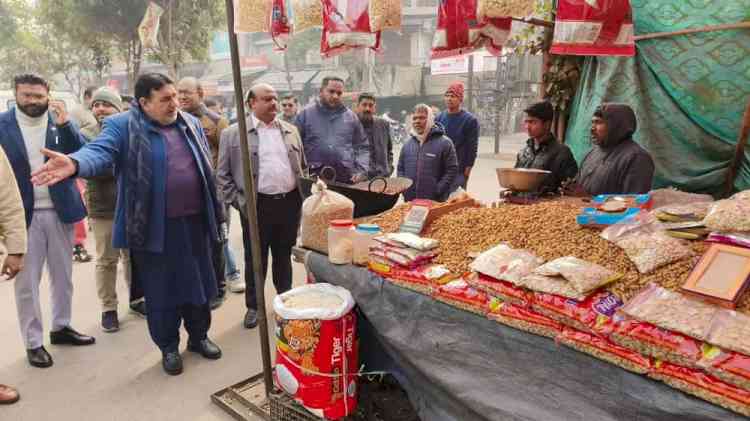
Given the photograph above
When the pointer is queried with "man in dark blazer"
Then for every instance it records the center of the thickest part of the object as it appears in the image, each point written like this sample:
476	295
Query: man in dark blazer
51	212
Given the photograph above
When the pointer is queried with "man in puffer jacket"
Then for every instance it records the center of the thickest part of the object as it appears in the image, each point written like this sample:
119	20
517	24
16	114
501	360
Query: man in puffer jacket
428	159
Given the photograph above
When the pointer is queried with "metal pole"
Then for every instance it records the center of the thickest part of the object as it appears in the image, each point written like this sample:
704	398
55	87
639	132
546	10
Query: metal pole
498	85
250	191
470	85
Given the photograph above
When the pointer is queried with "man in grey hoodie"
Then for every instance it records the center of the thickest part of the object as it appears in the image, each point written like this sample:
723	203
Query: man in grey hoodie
616	164
333	136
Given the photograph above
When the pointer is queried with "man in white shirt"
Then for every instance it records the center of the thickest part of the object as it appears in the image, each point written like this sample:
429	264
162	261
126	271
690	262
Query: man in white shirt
278	162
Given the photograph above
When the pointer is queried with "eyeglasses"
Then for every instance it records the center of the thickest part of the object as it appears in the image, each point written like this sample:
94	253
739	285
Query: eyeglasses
287	105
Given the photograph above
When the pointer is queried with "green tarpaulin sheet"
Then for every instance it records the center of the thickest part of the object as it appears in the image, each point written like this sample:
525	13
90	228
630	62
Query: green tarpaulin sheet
689	92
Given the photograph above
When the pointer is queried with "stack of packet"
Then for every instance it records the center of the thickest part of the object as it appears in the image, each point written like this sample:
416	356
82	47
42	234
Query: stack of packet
406	260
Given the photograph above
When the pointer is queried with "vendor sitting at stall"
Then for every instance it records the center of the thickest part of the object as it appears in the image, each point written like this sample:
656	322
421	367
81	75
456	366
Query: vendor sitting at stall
428	158
616	164
543	151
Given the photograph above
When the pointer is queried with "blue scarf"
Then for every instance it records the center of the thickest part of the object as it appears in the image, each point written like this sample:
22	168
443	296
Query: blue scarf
138	188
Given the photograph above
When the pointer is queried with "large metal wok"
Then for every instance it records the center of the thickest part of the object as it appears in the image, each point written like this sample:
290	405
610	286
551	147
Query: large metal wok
370	197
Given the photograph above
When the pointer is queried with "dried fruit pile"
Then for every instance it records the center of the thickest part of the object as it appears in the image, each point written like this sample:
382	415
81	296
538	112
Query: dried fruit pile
547	229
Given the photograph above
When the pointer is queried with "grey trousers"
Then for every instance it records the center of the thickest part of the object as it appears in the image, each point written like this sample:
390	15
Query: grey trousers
51	242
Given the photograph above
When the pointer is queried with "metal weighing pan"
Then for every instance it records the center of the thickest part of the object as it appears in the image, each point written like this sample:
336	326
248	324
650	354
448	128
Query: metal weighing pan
370	197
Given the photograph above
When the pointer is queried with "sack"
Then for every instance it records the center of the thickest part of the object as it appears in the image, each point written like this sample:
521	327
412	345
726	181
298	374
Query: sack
506	264
523	319
345	32
605	350
316	349
594	314
705	386
306	14
582	275
602	28
656	342
318	210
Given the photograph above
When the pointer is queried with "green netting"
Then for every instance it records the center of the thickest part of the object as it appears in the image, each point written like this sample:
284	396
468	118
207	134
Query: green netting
689	92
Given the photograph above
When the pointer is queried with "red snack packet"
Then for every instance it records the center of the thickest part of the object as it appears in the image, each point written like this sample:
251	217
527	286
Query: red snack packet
594	28
656	342
705	386
280	27
505	291
460	294
731	367
345	32
523	319
422	279
605	350
594	314
459	30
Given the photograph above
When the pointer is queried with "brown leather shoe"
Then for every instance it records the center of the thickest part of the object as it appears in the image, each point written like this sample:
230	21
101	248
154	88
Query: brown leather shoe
8	395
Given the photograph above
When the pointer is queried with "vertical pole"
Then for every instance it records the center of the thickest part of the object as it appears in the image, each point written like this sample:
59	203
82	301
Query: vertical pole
251	210
498	86
470	85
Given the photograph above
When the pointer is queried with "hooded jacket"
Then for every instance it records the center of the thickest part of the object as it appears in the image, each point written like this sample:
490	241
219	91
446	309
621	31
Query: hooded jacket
431	165
618	165
334	137
550	155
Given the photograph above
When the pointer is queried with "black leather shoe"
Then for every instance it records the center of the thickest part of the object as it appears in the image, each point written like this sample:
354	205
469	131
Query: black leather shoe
172	363
251	319
206	348
68	336
39	357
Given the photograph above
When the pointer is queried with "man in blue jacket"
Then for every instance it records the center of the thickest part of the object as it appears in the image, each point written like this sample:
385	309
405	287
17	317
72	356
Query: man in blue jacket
167	210
50	213
333	136
463	129
428	159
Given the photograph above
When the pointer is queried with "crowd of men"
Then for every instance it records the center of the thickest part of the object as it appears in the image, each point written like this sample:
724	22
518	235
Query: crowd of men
163	172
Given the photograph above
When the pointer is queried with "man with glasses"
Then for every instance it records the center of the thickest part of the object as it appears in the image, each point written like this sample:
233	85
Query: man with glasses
289	108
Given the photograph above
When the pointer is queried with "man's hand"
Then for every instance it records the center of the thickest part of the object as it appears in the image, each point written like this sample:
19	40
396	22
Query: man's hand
58	168
58	110
13	264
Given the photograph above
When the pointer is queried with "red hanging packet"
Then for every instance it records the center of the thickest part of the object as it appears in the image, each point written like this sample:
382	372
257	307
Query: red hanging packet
345	32
280	26
459	30
594	28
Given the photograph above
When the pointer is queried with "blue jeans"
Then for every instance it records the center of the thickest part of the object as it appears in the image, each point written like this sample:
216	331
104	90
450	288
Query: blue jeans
230	269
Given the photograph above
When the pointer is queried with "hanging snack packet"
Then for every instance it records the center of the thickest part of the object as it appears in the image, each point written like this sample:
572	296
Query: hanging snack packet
307	14
251	16
504	8
345	32
385	14
280	25
582	275
594	28
460	31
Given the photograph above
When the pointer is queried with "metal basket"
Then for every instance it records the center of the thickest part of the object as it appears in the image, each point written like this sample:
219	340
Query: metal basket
284	408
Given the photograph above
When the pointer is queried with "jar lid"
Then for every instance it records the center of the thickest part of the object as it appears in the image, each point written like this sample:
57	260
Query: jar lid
342	223
368	228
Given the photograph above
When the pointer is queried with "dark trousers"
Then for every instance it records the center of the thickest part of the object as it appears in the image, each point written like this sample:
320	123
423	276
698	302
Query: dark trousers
164	325
278	222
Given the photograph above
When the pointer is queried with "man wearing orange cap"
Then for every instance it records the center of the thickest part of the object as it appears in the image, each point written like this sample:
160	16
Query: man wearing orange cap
463	129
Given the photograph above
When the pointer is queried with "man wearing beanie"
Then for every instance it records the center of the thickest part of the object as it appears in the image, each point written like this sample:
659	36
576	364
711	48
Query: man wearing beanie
543	151
463	129
101	197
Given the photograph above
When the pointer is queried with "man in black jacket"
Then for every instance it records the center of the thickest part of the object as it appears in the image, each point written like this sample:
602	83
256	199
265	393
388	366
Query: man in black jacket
616	164
543	151
378	132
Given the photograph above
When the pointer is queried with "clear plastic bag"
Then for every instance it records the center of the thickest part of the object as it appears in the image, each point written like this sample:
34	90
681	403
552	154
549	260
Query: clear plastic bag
673	311
646	244
318	210
556	285
731	330
506	264
583	276
306	14
504	8
343	32
671	196
729	215
384	14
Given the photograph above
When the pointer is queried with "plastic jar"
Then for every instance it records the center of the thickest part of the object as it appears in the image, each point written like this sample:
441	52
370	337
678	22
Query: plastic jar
340	237
363	238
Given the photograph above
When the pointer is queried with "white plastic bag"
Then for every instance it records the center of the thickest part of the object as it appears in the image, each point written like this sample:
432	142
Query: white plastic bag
506	264
324	302
318	210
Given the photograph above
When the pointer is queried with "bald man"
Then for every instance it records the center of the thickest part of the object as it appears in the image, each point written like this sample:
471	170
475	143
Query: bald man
278	164
190	96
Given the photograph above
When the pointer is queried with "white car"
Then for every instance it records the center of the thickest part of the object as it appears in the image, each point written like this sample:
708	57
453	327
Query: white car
8	99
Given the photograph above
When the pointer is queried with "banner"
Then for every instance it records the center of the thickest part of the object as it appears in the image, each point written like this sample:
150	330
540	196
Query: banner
594	28
148	30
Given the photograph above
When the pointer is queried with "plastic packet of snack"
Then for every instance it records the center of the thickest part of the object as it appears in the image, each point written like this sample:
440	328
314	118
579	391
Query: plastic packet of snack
733	239
343	31
730	215
583	276
605	350
385	14
656	342
505	291
595	314
673	311
306	14
731	367
504	8
731	330
523	318
506	264
461	295
556	285
410	240
252	16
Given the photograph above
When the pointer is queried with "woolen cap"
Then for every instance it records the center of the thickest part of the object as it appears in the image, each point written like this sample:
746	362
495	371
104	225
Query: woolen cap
109	96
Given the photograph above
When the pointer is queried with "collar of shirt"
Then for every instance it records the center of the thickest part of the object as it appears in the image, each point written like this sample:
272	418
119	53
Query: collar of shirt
261	125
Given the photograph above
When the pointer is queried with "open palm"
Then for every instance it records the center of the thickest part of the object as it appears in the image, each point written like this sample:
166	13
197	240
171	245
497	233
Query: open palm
56	169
